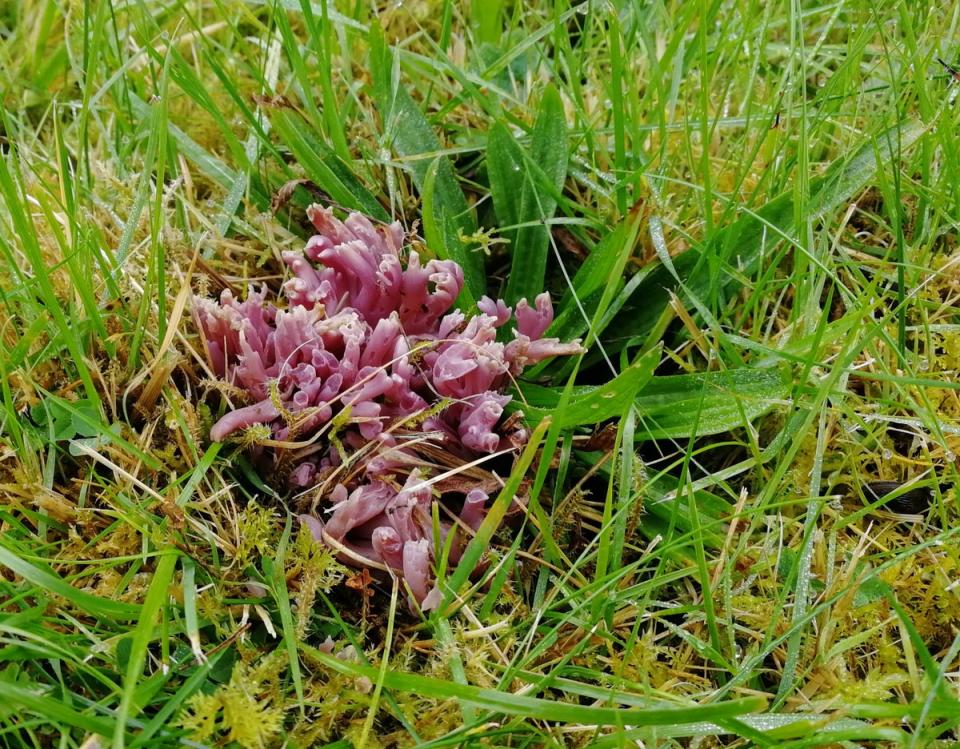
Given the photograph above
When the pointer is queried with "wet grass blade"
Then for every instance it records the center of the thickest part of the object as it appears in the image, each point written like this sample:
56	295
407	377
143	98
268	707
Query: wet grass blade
142	636
31	697
47	581
15	200
481	540
679	405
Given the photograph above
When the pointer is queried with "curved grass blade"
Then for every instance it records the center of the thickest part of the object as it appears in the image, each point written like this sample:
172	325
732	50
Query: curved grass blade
53	710
481	540
141	638
47	581
665	714
323	166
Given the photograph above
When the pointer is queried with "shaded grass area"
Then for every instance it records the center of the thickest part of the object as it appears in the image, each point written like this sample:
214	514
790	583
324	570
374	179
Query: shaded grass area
747	211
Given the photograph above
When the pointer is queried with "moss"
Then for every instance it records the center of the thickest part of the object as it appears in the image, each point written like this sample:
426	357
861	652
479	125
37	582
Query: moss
256	531
315	570
247	710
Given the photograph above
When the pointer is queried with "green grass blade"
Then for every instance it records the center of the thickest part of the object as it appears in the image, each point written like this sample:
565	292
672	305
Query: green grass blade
534	707
323	166
141	637
47	581
751	233
481	540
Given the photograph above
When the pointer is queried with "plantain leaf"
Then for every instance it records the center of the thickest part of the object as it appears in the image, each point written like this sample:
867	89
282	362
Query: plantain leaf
701	404
504	170
410	135
538	177
440	230
670	406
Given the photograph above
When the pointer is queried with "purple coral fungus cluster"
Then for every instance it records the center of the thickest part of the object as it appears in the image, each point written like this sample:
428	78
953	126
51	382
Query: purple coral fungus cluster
365	365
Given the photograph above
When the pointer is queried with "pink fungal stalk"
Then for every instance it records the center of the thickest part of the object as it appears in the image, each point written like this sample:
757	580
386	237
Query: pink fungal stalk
367	356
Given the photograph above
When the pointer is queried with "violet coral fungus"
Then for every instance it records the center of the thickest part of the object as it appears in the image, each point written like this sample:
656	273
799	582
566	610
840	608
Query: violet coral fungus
366	364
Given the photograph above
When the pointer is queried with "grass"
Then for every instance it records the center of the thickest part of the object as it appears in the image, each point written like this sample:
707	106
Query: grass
747	210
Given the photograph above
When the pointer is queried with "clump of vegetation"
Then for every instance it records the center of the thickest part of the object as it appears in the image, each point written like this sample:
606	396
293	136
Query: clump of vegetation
739	509
367	362
248	709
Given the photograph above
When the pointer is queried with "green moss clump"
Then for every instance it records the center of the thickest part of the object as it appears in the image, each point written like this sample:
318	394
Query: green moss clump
248	710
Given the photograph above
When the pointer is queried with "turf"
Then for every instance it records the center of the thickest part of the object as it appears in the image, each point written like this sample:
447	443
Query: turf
747	211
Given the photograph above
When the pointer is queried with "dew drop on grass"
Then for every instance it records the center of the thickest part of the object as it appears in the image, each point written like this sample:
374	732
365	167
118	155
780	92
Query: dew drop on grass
608	395
950	455
887	454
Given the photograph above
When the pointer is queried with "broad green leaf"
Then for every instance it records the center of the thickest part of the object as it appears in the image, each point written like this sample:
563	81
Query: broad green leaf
745	240
440	231
711	402
673	405
84	420
594	404
486	18
504	170
411	136
824	723
594	273
58	423
524	187
323	166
